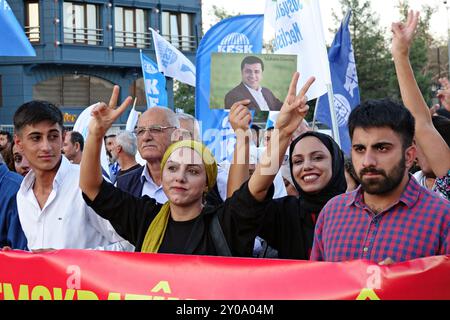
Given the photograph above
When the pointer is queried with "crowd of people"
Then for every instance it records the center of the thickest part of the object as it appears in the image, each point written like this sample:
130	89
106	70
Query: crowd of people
297	198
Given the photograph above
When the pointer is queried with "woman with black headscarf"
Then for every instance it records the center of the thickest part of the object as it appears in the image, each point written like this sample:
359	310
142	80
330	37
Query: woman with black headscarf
317	169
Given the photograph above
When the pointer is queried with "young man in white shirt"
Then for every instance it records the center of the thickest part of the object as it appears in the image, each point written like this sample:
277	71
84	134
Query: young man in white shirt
51	209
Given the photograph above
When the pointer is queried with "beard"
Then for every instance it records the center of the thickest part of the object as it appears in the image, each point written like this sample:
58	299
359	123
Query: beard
387	183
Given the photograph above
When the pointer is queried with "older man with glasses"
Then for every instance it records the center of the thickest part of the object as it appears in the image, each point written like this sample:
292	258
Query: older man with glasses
153	132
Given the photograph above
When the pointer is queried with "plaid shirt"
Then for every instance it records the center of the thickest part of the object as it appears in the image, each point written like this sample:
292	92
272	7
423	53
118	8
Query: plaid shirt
418	225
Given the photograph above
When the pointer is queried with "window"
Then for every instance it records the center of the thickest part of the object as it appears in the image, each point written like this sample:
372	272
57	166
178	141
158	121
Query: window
137	90
178	29
73	90
32	29
82	23
131	27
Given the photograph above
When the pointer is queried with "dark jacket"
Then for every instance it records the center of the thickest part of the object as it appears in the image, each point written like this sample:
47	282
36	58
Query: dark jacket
11	233
289	222
238	218
241	92
131	182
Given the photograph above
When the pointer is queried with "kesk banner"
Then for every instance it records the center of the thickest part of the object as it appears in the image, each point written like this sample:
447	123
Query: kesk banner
93	275
154	82
298	30
241	34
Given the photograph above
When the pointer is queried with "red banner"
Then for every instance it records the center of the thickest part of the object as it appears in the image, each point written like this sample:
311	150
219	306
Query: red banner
91	275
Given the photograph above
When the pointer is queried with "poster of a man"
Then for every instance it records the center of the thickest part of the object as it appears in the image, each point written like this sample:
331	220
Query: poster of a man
262	79
252	69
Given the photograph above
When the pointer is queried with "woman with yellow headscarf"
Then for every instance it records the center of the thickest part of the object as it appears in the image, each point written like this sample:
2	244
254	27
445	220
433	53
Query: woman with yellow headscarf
184	224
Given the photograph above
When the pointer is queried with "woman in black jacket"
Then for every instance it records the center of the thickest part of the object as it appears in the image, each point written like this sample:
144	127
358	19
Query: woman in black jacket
317	169
183	224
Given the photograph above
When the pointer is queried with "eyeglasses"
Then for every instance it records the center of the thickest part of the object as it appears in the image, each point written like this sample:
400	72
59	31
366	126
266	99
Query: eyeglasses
140	131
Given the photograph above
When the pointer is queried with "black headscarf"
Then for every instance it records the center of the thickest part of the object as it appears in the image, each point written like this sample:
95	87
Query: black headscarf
314	202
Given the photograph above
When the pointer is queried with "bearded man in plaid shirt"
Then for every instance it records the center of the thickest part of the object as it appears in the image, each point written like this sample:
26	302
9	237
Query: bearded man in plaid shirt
390	217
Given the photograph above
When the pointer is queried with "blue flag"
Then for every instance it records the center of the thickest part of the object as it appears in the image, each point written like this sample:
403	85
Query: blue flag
155	83
13	41
345	84
241	34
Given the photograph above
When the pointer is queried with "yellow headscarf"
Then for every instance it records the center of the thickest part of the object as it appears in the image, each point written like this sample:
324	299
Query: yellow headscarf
155	233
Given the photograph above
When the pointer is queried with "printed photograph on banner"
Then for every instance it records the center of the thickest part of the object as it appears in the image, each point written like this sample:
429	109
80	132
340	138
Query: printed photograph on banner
261	78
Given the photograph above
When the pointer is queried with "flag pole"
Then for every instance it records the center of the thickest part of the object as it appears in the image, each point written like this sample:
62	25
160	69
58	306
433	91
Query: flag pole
313	124
335	127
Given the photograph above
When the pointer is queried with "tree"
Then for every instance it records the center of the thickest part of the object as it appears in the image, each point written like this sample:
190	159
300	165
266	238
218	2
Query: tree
371	54
371	44
419	54
220	13
184	97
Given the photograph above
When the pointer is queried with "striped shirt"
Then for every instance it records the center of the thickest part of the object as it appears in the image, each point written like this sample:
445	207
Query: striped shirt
416	226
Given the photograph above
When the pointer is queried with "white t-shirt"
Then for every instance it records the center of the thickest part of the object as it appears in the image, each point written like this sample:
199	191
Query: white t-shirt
65	221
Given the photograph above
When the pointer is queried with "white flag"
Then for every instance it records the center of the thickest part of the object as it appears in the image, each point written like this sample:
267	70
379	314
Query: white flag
299	30
82	126
132	120
82	123
172	62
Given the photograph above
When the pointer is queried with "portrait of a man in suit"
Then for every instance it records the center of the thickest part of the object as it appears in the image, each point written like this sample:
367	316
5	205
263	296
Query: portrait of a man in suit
261	99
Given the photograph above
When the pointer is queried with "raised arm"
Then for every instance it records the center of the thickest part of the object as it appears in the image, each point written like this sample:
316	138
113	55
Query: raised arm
434	147
240	118
291	114
103	117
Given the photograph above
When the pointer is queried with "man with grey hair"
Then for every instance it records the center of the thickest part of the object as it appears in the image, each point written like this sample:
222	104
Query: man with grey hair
154	131
124	152
189	128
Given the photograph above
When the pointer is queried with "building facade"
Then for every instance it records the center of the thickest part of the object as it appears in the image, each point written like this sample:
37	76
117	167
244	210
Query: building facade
84	47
